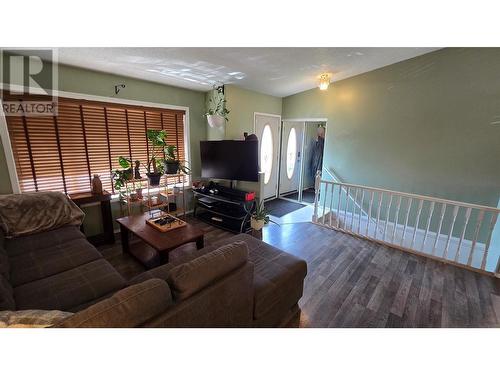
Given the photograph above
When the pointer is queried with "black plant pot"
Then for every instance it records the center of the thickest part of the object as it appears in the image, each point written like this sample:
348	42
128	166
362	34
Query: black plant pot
154	178
172	166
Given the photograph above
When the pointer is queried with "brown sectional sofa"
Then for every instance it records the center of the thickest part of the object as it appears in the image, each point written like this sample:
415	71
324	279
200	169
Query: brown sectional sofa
244	284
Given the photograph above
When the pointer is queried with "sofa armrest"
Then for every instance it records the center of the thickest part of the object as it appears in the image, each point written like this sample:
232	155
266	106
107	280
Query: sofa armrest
189	278
129	307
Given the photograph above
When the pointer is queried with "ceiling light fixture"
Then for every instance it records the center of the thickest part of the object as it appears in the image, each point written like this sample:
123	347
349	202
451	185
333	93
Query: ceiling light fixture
324	81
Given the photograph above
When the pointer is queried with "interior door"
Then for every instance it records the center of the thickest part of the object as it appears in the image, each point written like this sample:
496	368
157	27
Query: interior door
267	130
291	149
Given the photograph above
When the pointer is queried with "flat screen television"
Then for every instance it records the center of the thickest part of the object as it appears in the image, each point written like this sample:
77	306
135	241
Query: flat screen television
230	160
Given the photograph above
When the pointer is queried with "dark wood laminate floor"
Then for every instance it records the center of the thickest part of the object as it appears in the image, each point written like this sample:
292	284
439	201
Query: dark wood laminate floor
352	282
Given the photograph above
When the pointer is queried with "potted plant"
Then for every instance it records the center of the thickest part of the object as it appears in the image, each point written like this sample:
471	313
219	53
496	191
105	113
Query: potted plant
217	112
122	175
156	139
260	216
172	164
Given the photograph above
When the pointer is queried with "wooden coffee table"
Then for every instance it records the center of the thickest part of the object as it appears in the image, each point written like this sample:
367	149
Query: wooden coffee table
163	242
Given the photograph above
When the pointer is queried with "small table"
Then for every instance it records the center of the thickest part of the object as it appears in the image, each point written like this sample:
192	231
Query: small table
107	219
162	242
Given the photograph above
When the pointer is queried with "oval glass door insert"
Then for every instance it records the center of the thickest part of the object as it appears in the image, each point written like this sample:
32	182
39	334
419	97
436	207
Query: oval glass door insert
266	153
291	153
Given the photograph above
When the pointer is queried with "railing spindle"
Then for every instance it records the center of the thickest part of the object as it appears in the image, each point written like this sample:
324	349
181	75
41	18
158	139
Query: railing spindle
331	203
417	220
396	219
381	197
388	213
476	234
467	217
345	208
443	209
488	241
324	203
431	212
410	201
338	206
455	212
361	210
369	212
354	202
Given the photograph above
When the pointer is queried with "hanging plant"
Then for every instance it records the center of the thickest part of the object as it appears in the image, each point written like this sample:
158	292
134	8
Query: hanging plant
217	112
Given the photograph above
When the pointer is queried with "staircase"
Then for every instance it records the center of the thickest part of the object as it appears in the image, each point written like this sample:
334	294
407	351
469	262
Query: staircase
449	231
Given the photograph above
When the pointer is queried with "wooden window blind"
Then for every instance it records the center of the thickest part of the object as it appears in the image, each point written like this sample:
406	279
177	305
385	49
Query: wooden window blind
63	152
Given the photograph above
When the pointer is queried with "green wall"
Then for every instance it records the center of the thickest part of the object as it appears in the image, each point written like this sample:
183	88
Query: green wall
242	104
429	125
89	82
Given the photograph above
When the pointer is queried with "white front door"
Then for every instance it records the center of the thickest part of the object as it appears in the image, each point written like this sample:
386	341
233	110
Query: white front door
267	130
291	156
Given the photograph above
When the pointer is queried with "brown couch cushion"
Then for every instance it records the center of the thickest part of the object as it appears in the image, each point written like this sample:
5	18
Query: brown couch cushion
278	277
32	318
160	272
29	213
188	278
23	245
130	307
49	261
183	254
4	259
69	289
7	301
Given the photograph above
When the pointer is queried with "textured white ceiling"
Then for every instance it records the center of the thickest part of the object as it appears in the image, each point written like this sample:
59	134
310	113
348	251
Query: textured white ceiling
275	71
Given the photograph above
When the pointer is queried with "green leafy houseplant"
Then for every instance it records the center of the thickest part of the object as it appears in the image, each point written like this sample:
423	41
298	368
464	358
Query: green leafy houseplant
172	164
217	112
156	139
122	175
260	216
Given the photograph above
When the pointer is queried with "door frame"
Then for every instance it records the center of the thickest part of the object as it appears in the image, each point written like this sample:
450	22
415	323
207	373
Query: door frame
255	114
304	120
298	165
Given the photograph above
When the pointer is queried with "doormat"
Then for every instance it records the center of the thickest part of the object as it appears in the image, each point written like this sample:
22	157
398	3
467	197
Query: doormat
280	207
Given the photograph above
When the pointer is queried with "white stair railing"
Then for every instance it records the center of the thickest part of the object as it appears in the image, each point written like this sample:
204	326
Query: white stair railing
450	231
353	199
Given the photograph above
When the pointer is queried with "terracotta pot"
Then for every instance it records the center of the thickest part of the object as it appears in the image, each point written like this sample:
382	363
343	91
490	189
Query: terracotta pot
216	121
257	224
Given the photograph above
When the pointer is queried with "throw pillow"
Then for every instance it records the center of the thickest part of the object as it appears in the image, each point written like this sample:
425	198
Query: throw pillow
32	318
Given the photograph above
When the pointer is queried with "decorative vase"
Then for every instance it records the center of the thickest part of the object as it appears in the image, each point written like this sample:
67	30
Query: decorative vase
216	121
171	166
257	224
96	185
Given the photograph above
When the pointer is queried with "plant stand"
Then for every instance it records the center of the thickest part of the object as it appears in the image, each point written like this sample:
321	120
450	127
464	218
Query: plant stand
162	197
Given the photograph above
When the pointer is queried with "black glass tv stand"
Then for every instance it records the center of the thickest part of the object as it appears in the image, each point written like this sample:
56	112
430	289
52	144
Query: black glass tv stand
227	213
